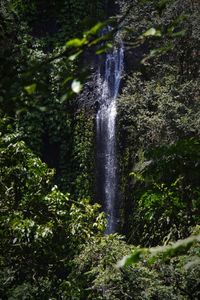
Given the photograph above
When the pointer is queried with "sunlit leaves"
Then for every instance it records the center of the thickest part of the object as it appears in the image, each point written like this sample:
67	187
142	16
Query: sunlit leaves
95	29
41	227
30	89
76	43
161	252
151	32
134	258
75	55
104	48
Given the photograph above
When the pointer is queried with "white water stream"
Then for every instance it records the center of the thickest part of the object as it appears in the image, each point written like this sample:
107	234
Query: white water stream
108	84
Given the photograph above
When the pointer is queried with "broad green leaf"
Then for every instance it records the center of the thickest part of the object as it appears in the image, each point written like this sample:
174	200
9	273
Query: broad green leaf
30	89
75	55
102	38
75	43
95	29
69	78
151	32
134	258
178	248
104	48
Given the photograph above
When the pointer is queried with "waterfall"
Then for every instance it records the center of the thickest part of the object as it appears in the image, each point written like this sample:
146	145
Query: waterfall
108	85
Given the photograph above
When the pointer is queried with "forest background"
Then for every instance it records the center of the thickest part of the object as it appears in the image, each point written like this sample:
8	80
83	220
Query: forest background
52	232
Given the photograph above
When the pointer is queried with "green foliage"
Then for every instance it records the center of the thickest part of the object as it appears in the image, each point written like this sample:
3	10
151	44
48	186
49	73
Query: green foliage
151	114
164	253
168	202
170	24
159	110
41	97
177	264
41	228
51	245
83	155
95	273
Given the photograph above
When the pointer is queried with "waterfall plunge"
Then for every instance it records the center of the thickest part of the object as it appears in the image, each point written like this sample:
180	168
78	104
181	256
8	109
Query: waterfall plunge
108	85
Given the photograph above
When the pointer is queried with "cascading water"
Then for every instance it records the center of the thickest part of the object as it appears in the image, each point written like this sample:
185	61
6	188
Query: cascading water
108	84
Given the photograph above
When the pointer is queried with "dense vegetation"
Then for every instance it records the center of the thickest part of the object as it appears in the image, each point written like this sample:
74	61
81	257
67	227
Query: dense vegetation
52	243
158	124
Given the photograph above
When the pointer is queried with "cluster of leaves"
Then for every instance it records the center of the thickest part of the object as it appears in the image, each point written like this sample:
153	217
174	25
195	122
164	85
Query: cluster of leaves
39	79
167	205
159	107
51	246
83	155
41	228
170	24
151	114
96	274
